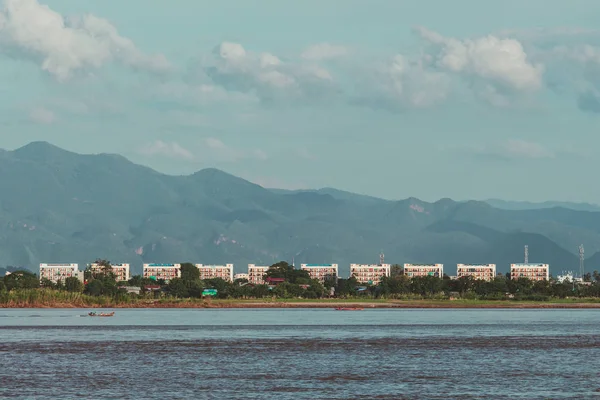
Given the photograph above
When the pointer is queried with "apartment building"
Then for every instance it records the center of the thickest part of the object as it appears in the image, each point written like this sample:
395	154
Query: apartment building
240	276
159	271
60	272
370	274
322	272
224	272
256	273
485	272
535	272
413	270
121	270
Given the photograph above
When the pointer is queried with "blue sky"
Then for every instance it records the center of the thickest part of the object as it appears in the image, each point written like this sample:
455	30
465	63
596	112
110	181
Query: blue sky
464	99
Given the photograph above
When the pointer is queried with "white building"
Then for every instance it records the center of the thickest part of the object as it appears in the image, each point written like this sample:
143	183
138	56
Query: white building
369	273
224	272
240	276
322	272
413	270
568	276
535	272
485	272
256	273
159	271
121	270
60	272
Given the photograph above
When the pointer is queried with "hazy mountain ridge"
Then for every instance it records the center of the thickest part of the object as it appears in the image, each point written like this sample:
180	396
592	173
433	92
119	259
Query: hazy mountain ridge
59	206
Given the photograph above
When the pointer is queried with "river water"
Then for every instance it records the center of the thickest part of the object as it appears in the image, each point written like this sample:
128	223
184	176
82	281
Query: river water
300	354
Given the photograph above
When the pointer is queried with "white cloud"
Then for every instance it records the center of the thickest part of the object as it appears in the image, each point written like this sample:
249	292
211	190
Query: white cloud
65	46
43	116
400	83
324	51
264	74
166	149
499	61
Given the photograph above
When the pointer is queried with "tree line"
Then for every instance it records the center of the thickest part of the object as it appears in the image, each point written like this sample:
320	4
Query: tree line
297	284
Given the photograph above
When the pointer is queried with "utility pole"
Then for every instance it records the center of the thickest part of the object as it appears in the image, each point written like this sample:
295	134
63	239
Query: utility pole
581	261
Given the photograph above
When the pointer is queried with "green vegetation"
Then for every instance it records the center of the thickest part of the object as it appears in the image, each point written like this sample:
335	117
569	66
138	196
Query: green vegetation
22	289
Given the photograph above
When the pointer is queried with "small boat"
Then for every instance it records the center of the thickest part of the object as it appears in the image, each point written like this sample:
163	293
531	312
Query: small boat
349	308
95	314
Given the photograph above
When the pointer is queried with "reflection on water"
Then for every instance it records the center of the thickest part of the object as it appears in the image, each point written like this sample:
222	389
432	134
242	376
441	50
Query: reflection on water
298	354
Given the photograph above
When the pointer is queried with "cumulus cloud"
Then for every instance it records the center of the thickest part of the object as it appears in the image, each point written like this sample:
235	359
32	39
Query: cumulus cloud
324	51
43	116
401	83
64	46
502	62
166	149
264	74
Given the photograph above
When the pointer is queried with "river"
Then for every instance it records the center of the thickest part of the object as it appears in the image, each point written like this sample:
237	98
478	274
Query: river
300	354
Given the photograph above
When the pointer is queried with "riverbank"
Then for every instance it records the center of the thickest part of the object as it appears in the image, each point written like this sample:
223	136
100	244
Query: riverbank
82	301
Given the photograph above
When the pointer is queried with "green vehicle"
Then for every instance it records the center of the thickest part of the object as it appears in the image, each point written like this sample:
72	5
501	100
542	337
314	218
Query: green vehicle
209	292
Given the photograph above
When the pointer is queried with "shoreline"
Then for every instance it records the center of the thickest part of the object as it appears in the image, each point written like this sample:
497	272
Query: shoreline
390	304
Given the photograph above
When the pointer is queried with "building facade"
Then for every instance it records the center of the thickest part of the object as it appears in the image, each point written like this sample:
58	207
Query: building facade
60	272
224	272
159	271
413	270
256	273
121	270
321	272
485	272
535	272
369	273
240	276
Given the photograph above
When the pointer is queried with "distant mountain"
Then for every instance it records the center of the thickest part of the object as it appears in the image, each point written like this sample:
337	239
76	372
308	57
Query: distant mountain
337	194
59	206
525	205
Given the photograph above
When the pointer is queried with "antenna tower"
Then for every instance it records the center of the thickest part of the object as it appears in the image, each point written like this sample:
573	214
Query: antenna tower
381	258
581	260
526	254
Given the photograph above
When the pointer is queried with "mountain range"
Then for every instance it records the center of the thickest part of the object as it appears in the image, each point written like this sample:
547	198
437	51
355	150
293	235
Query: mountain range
59	206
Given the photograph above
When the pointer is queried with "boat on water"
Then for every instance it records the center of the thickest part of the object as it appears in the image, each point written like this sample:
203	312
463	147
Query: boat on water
349	308
95	314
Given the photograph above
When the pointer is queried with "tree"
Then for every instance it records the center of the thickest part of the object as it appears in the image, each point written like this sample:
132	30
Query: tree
396	270
177	287
106	270
47	283
94	288
189	272
286	271
21	280
72	284
138	280
220	284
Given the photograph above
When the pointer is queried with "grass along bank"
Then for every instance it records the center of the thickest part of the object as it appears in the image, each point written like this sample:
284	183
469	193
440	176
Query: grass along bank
48	298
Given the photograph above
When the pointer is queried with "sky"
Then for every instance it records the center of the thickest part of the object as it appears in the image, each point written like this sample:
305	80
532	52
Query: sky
466	99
